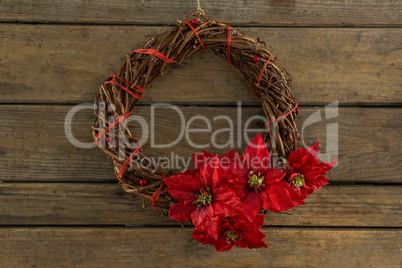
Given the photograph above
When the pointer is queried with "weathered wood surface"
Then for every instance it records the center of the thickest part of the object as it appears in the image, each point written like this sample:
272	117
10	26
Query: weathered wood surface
66	64
174	247
259	12
50	182
35	147
106	204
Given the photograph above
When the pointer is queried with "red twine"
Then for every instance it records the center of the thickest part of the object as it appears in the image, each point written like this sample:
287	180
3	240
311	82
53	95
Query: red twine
122	80
228	45
260	76
255	91
156	53
127	162
118	120
126	89
195	32
283	116
136	88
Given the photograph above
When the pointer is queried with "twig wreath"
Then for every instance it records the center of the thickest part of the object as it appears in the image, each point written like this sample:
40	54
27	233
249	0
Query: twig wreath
222	196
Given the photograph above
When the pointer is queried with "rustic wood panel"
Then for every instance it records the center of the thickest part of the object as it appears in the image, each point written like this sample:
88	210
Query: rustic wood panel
105	204
35	148
258	12
64	63
174	247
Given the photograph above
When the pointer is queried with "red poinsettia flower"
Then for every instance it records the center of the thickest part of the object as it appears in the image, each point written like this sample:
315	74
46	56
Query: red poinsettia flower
258	184
202	196
234	231
305	172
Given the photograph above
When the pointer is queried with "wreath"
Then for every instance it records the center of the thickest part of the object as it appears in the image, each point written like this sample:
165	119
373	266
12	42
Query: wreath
225	197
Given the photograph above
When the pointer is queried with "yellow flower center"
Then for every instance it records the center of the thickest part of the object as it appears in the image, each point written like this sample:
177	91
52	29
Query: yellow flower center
256	181
230	235
204	198
297	181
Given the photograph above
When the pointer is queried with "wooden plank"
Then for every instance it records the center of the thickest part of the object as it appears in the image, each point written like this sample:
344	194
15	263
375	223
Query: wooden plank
64	63
259	12
105	204
174	247
35	147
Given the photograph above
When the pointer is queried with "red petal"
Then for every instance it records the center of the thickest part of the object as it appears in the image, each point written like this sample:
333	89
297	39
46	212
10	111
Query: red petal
295	156
252	206
226	202
222	194
181	212
281	197
326	166
211	226
201	235
259	221
223	245
321	181
262	195
238	169
241	243
191	172
260	244
181	195
171	181
273	175
216	179
303	192
310	173
183	181
255	237
209	210
200	159
313	150
229	157
211	173
198	216
227	210
304	156
256	149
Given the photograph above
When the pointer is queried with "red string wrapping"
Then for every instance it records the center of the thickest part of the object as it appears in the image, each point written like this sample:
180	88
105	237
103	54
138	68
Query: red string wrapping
195	32
118	120
156	53
126	89
283	116
260	76
138	89
122	80
228	45
127	162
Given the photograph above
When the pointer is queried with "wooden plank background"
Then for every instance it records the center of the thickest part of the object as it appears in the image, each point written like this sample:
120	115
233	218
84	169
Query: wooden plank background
60	204
257	12
351	65
132	247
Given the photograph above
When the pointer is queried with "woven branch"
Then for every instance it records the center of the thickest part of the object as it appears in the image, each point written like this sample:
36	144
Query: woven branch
179	43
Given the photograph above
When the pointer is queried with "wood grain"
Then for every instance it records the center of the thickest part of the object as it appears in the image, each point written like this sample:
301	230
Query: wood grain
106	204
35	147
257	12
60	204
174	247
66	64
